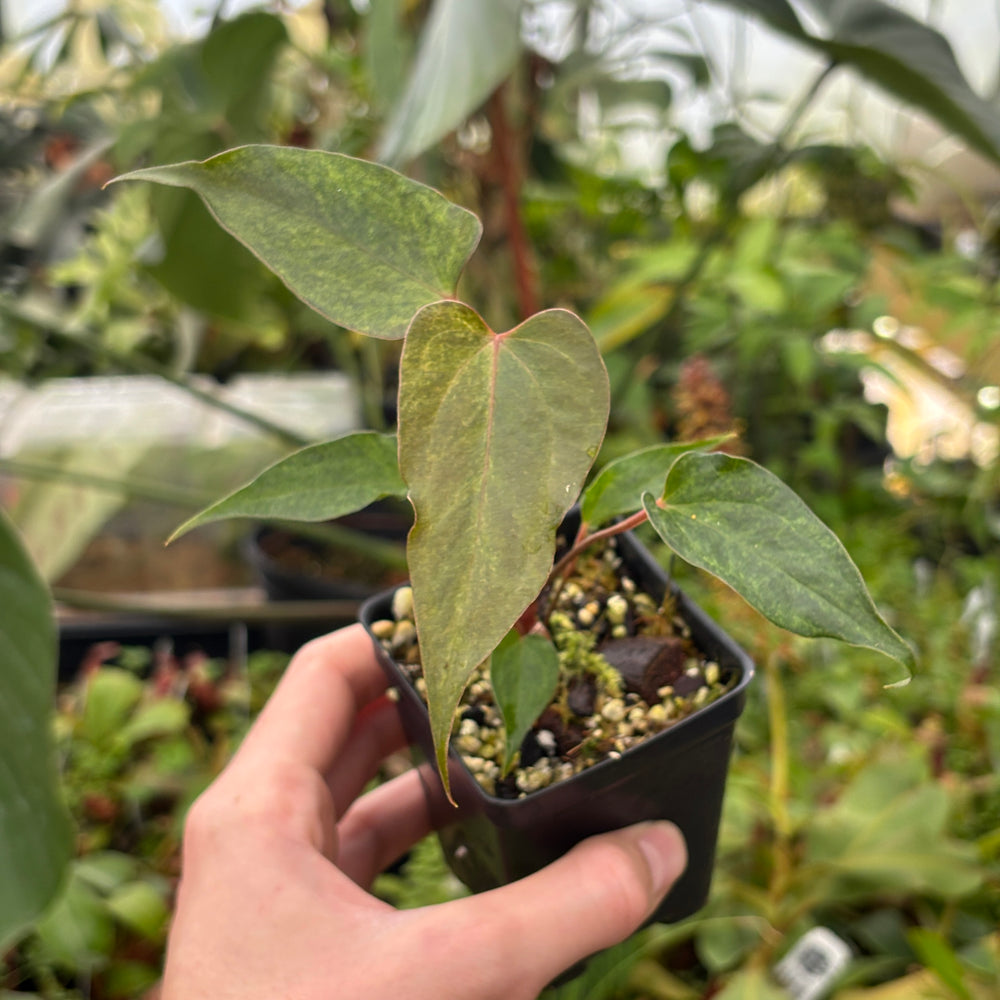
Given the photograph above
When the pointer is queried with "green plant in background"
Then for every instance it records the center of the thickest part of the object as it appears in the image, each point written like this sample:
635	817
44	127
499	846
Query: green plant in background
139	734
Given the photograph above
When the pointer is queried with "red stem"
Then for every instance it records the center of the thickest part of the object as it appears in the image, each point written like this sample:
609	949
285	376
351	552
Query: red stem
507	150
581	543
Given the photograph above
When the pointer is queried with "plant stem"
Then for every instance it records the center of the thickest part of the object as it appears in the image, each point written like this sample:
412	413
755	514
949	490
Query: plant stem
779	792
582	543
507	150
388	554
138	489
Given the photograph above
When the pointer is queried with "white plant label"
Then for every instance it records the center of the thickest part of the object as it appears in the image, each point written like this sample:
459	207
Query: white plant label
811	967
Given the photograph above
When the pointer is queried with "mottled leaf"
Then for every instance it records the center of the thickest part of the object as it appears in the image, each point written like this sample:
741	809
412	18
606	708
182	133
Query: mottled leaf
619	486
524	672
360	243
35	835
496	435
739	522
317	483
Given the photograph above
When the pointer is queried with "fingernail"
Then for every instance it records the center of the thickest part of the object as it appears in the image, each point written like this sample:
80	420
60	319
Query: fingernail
663	847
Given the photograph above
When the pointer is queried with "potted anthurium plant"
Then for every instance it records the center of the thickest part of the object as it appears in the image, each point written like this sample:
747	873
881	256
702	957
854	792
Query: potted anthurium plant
497	434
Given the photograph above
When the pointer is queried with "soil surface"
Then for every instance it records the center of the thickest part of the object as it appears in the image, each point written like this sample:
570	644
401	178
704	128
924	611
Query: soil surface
628	671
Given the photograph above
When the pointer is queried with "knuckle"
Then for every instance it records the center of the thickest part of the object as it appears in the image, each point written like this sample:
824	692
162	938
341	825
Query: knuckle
282	796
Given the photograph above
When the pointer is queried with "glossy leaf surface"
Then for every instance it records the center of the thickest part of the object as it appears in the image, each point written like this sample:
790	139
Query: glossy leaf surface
360	243
35	836
524	672
496	435
741	523
316	483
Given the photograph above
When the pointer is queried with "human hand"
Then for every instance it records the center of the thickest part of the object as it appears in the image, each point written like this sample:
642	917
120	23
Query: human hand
278	853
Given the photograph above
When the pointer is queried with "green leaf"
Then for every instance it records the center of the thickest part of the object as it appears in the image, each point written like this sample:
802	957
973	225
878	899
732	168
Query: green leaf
163	717
496	435
316	483
77	933
256	39
619	486
360	243
35	834
739	522
106	871
938	955
205	94
753	984
112	696
913	62
466	50
524	673
778	13
140	907
196	251
387	49
908	59
722	944
888	833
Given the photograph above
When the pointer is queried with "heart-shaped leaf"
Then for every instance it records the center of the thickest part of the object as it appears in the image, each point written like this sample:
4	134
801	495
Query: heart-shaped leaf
35	835
496	435
619	486
316	483
360	243
524	672
741	523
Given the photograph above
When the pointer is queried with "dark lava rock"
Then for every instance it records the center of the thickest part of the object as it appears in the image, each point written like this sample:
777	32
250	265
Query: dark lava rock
581	696
646	662
687	684
531	750
474	712
567	737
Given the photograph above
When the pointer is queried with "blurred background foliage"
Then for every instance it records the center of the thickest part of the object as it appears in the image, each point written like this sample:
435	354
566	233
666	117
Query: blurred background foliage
810	257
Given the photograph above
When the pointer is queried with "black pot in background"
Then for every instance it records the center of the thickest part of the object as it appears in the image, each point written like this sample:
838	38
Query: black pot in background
678	775
315	572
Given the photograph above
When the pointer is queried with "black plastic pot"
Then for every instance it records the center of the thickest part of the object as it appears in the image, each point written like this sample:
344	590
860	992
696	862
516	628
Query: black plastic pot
318	572
678	775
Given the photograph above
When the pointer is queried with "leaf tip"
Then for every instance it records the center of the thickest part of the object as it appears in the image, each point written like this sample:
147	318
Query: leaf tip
443	773
181	529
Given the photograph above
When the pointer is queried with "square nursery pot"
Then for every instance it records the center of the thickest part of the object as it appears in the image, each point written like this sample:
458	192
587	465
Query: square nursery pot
677	775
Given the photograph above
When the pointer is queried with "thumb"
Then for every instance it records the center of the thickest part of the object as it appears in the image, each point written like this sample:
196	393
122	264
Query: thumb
592	898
